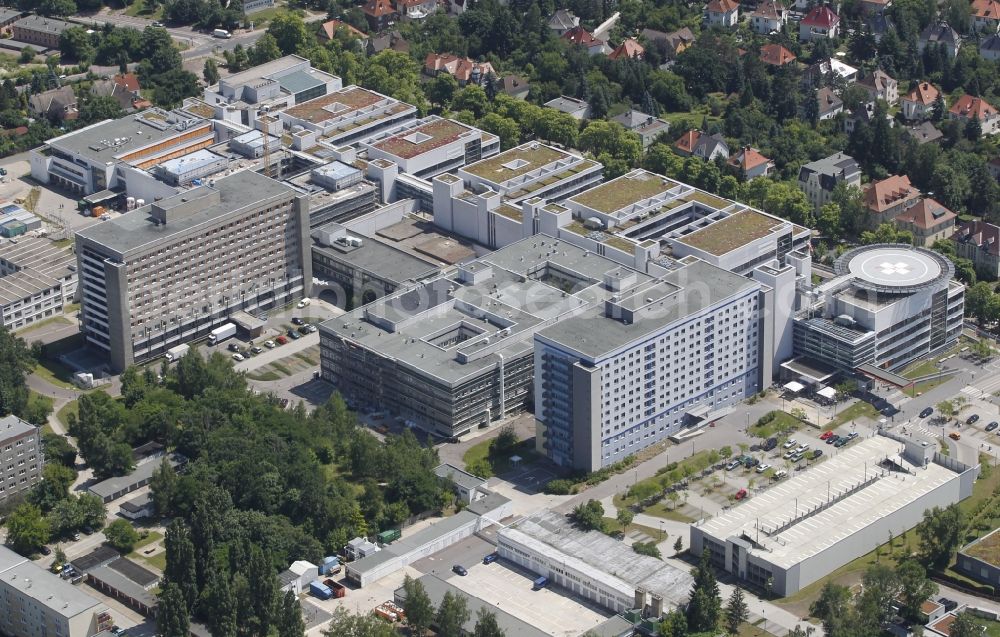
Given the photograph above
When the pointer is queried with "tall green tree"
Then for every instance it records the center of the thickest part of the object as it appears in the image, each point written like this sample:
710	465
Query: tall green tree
915	587
172	616
263	592
121	535
417	606
486	625
180	569
966	625
16	362
27	529
210	72
346	624
832	604
217	605
940	534
705	605
289	617
452	614
737	611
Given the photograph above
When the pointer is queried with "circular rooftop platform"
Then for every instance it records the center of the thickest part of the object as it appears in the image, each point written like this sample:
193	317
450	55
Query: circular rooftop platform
894	268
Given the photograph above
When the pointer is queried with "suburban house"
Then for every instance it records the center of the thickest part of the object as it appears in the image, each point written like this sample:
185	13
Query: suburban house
863	114
562	21
646	126
928	221
923	132
769	17
979	242
697	144
380	14
581	37
829	103
919	103
880	86
578	109
57	104
629	49
123	88
749	164
887	198
462	69
941	34
871	7
879	24
989	48
416	9
724	14
776	55
515	86
818	178
821	73
986	16
968	107
329	29
673	42
818	24
393	40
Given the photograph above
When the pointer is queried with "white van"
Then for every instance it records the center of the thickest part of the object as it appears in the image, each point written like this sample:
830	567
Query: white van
222	33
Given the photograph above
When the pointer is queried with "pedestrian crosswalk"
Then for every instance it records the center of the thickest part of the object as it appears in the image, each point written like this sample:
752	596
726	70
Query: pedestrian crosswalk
924	431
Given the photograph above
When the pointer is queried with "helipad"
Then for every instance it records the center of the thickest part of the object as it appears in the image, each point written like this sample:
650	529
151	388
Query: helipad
893	267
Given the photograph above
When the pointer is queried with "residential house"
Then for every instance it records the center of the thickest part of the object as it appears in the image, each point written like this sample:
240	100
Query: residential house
380	15
776	55
928	221
562	21
923	132
628	49
724	14
671	44
818	178
989	49
123	88
863	113
940	34
829	103
56	104
393	40
879	24
874	7
749	164
979	242
887	198
697	144
829	72
329	29
464	70
880	86
578	109
416	9
919	102
515	86
968	107
985	16
581	37
820	23
647	126
769	17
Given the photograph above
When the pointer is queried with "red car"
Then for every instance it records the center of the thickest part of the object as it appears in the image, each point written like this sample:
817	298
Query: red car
281	340
742	493
826	435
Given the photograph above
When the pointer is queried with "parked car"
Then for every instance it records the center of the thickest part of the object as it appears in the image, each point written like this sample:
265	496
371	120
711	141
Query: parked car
458	569
489	559
926	411
742	493
788	454
233	347
269	344
303	330
973	419
852	435
297	321
789	443
75	536
832	439
779	474
303	303
802	447
281	340
87	530
312	328
817	453
292	334
955	435
841	442
45	550
256	349
770	444
732	465
238	357
762	468
797	456
826	435
993	425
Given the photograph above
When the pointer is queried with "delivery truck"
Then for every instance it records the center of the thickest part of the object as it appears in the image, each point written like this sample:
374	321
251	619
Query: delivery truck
175	353
221	333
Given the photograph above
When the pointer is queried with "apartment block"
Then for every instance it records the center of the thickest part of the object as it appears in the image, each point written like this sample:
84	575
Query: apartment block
40	31
171	271
37	278
21	456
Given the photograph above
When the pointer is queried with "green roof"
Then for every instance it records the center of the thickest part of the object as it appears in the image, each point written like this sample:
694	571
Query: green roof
525	158
732	232
623	191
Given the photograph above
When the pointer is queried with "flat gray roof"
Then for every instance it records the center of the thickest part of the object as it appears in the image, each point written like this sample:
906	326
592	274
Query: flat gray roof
123	584
607	559
105	141
509	624
137	504
12	426
263	70
48	589
135	229
111	486
408	543
699	285
141	576
44	24
461	478
22	285
41	255
378	258
298	81
791	499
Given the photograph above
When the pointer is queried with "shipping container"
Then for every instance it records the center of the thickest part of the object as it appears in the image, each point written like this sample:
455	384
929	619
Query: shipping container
337	589
329	565
320	590
389	536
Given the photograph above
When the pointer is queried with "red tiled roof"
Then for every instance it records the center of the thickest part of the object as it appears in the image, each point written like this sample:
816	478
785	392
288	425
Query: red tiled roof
821	17
887	192
769	9
748	159
722	6
986	9
979	233
776	54
927	214
968	107
579	35
129	81
461	68
924	93
687	141
329	28
627	49
378	8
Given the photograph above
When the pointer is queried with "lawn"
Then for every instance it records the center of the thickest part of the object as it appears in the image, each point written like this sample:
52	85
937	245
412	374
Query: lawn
157	561
859	409
783	423
478	457
921	368
268	375
72	407
55	373
36	398
754	630
153	536
55	320
675	472
663	509
612	526
138	9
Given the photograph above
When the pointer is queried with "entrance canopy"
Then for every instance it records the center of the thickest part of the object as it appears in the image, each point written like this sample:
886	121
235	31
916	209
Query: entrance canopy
794	386
828	392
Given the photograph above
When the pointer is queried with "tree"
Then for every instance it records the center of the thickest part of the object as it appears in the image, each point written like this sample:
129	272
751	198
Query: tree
16	362
705	605
265	50
96	109
27	55
940	534
674	624
648	549
289	32
163	487
451	615
77	45
27	530
417	606
947	409
211	72
678	545
172	616
57	7
180	569
914	587
625	517
589	516
503	127
966	625
441	90
289	617
121	535
55	484
486	625
345	624
737	611
832	604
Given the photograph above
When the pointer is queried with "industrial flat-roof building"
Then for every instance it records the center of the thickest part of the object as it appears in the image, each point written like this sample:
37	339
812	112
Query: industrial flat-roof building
37	278
172	271
36	603
430	146
346	116
114	488
807	526
21	457
593	565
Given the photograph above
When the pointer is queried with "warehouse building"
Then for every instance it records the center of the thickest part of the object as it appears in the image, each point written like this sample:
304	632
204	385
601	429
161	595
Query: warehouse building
888	305
806	527
36	603
181	171
593	565
114	488
21	457
172	271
